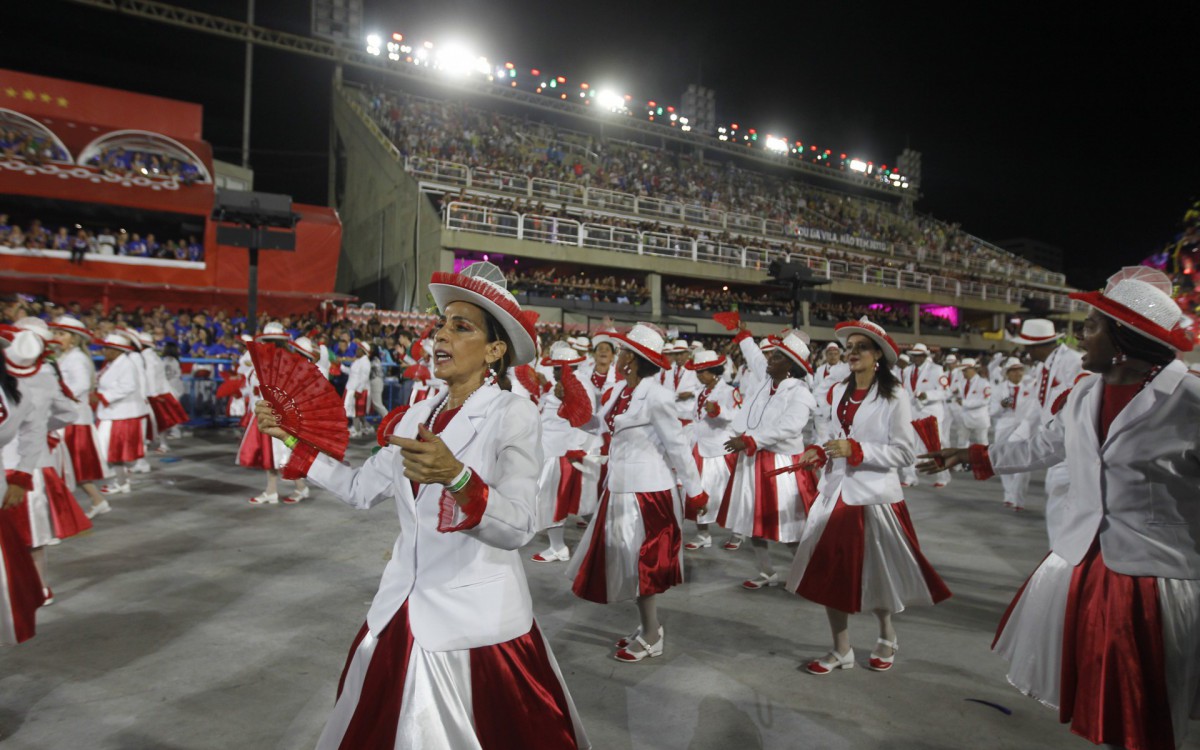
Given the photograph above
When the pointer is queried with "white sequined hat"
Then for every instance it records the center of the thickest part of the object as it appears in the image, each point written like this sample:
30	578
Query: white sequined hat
1140	297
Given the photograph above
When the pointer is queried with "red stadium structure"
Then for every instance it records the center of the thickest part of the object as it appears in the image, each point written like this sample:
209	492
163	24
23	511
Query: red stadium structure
165	178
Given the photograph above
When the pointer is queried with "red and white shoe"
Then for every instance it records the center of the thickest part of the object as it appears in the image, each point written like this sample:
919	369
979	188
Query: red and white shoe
734	544
266	498
624	642
550	555
699	542
639	649
830	662
117	488
762	581
883	663
296	497
939	485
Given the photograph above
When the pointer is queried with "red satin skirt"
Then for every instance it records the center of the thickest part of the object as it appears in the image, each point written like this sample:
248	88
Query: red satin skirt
167	411
517	696
126	439
20	586
67	518
255	452
631	548
570	490
83	446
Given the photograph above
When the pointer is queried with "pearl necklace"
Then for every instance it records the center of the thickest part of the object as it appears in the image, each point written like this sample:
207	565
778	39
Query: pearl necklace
489	380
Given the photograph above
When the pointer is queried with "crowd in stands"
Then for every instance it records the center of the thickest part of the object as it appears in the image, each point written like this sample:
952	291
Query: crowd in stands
29	147
123	162
709	300
578	286
79	241
523	149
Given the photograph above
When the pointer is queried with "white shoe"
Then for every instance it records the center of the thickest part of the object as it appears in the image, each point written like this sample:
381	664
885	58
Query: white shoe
49	597
699	542
550	555
99	510
116	489
162	448
141	466
830	662
297	496
266	498
53	542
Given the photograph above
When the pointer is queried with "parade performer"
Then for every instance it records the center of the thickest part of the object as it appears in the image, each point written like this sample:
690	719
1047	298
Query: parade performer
358	390
860	550
21	592
768	435
825	376
717	406
563	448
141	465
257	451
166	413
450	655
1011	404
973	395
926	384
633	547
81	438
1107	629
121	411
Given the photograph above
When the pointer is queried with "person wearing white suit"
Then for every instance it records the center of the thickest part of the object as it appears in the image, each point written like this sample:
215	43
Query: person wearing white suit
21	592
1107	629
769	435
121	410
860	550
1011	407
974	393
926	384
81	438
717	406
358	391
633	547
450	656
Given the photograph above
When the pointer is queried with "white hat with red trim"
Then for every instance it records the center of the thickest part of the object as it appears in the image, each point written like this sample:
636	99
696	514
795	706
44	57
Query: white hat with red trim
864	327
36	325
273	331
952	359
1035	332
768	343
131	336
833	345
365	346
697	346
24	355
562	354
118	340
71	325
796	350
919	349
705	359
145	339
305	346
581	343
1012	363
7	332
645	341
1140	297
676	347
483	285
604	337
969	362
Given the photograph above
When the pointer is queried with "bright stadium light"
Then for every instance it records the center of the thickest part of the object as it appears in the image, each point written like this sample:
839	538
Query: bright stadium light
456	59
374	44
779	145
610	100
857	165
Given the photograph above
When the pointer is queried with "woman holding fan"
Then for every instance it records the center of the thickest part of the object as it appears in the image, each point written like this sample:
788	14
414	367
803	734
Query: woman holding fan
450	652
860	551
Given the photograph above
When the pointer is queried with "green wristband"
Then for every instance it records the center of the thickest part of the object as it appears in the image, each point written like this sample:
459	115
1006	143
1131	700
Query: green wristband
291	441
461	480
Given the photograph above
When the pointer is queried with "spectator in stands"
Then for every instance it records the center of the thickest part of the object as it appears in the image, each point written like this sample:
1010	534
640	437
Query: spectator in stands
79	246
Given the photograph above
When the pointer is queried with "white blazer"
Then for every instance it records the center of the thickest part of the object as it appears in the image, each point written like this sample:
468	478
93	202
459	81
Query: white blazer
47	404
648	449
776	423
465	588
976	396
79	373
883	429
1013	421
1139	489
156	373
687	383
358	379
21	422
1058	372
120	387
929	382
710	433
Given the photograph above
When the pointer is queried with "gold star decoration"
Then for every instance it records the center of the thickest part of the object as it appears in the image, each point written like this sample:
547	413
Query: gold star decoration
10	91
46	98
62	101
29	95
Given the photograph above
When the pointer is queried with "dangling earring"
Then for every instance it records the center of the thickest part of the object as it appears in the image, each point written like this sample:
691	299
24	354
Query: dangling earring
1120	359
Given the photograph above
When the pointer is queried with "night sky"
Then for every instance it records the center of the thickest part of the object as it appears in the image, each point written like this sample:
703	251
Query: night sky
1077	130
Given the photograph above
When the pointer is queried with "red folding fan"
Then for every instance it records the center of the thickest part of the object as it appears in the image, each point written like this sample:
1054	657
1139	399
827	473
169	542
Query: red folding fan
731	320
576	403
927	430
307	405
231	385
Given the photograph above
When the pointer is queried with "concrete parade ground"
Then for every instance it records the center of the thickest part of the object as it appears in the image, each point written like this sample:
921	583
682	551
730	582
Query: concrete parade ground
189	618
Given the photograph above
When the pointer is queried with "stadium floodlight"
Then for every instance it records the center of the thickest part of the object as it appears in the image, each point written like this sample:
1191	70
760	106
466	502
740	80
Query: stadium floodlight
904	185
779	145
858	165
374	44
610	100
456	60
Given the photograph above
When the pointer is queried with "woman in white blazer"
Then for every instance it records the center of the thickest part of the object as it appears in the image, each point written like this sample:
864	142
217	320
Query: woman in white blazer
633	547
450	652
121	410
21	592
257	449
1107	629
1012	407
860	550
357	394
716	406
81	438
769	435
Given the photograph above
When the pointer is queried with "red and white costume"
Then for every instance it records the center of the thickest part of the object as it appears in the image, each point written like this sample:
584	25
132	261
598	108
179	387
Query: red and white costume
20	587
1011	408
771	422
825	377
927	380
257	451
81	438
165	410
860	550
358	384
122	408
1107	629
710	431
450	655
560	485
1050	381
976	395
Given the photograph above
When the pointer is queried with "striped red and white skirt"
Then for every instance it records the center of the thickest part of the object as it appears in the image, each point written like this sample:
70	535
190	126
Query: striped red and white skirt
20	586
559	490
857	558
255	451
123	440
87	455
631	548
167	411
1117	655
715	473
767	507
393	693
